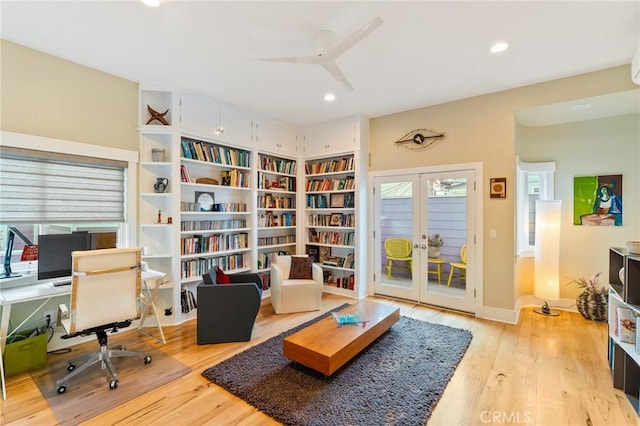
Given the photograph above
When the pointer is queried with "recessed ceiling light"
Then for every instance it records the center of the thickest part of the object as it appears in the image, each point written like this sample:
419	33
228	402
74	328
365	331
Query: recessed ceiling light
329	97
580	107
500	46
152	3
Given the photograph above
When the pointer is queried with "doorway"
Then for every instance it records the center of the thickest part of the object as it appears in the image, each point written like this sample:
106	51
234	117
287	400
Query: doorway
409	211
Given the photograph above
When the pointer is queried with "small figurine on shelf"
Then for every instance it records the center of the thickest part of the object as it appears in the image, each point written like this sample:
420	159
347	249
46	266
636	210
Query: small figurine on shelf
155	115
161	185
158	155
159	216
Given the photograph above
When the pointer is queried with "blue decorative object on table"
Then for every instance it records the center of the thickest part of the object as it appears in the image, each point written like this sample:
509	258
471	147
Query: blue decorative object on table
348	319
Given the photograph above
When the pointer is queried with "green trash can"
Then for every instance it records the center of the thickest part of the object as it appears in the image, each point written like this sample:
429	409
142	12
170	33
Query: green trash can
24	353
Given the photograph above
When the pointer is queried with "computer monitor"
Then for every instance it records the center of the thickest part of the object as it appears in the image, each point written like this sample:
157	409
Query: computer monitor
54	253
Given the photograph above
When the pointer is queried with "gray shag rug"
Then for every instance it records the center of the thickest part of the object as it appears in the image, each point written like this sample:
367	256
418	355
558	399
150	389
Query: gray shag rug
397	380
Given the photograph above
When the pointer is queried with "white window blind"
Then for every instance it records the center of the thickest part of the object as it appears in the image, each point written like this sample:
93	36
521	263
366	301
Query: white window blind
49	188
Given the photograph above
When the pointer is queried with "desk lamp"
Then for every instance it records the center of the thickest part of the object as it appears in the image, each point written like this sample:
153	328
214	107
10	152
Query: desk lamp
13	231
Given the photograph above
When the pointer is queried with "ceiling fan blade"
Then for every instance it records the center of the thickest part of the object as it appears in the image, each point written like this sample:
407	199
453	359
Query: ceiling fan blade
296	60
354	38
335	72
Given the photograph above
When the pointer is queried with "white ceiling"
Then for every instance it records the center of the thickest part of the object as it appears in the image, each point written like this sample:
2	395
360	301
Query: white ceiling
425	53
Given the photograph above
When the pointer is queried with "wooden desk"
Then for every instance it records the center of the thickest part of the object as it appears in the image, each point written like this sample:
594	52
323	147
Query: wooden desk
439	267
325	346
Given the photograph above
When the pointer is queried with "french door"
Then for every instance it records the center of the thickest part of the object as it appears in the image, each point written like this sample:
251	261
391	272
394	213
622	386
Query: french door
410	208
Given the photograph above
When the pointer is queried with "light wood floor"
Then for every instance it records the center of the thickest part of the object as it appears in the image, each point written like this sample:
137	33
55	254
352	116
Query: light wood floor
544	371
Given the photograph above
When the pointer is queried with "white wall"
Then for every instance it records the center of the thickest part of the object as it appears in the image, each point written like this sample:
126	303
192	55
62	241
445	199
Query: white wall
595	147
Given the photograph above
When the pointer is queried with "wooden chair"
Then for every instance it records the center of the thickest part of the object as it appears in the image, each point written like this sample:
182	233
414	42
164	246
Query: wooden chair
461	266
398	250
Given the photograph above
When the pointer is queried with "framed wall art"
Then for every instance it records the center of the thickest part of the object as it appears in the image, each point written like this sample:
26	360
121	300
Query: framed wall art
205	201
498	188
597	200
334	219
337	201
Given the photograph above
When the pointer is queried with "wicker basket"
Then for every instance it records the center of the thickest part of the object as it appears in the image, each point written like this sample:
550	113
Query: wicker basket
592	306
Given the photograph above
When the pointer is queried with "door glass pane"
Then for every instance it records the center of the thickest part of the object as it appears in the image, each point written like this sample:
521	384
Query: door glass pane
396	227
446	218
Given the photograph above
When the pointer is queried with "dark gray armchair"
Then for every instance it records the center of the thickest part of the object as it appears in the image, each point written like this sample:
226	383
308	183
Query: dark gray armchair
226	312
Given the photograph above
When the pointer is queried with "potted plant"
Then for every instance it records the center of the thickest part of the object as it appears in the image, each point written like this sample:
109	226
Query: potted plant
434	242
592	301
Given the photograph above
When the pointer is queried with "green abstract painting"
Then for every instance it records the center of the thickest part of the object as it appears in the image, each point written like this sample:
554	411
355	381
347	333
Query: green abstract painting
597	200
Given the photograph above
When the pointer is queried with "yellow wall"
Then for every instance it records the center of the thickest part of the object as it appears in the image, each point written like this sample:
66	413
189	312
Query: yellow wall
47	96
481	129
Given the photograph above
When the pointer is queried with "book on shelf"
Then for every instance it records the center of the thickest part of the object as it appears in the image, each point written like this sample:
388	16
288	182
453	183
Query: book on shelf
211	153
184	174
348	261
265	277
344	164
277	165
626	325
187	301
349	200
333	261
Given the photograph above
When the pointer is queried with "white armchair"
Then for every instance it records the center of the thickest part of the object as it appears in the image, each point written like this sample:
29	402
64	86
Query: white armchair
291	294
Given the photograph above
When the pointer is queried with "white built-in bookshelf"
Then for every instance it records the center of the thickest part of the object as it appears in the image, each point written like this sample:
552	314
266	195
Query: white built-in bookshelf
240	191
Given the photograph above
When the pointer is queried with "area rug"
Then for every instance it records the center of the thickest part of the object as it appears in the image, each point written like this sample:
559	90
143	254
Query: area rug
397	380
88	394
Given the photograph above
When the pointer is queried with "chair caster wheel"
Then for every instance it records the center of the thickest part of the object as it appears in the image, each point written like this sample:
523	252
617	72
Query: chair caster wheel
62	388
147	359
114	384
71	367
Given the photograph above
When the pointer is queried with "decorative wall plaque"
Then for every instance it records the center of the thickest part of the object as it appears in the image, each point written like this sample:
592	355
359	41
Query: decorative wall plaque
419	139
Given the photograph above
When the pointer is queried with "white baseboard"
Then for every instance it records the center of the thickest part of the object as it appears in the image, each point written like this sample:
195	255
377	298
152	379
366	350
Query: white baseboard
511	316
508	316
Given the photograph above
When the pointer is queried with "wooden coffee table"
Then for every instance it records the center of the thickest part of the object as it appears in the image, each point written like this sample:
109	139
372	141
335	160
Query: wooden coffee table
325	346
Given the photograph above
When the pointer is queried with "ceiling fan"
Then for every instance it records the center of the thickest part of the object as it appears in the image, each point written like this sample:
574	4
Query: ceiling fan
328	54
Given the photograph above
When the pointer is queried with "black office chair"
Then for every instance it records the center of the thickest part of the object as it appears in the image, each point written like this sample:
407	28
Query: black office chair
104	297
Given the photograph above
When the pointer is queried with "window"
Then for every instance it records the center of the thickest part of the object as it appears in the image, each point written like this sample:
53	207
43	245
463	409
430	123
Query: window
40	187
535	181
58	191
